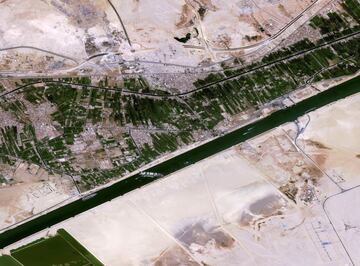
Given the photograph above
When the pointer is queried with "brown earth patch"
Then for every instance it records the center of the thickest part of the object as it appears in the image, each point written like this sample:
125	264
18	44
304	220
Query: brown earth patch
290	190
317	144
315	173
320	159
186	18
26	60
201	235
174	256
223	41
245	219
284	11
81	13
265	207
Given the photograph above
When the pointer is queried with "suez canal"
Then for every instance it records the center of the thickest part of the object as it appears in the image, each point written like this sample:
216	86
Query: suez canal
180	161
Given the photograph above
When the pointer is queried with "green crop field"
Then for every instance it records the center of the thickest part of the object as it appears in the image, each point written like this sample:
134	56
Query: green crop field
61	249
8	261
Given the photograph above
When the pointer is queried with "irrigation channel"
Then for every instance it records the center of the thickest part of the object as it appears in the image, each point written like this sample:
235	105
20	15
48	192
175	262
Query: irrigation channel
176	163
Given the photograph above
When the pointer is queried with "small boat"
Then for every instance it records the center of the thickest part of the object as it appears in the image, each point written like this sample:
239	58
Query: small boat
150	174
248	131
310	110
88	196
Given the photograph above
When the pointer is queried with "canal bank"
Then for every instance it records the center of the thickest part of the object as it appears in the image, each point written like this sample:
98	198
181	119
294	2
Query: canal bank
192	156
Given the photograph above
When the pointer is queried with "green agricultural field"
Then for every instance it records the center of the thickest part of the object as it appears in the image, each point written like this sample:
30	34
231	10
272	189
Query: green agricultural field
8	261
61	249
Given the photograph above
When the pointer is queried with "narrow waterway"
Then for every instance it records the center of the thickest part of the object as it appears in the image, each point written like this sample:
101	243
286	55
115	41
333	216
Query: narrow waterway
224	142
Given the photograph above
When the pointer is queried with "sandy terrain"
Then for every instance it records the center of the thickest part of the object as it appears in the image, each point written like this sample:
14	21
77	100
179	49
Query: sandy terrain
62	34
347	222
331	140
57	26
32	61
260	202
220	211
213	26
287	169
31	190
72	30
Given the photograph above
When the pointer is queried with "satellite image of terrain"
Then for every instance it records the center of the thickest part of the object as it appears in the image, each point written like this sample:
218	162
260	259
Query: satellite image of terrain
179	132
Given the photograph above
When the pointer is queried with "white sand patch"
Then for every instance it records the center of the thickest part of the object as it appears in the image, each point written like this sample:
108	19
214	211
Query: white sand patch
336	134
347	221
118	234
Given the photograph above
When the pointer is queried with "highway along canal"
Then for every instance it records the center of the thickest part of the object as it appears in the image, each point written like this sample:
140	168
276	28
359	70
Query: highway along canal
165	168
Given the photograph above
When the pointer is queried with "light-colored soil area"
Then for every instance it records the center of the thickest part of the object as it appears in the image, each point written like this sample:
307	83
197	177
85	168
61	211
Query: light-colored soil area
137	242
72	29
53	35
152	28
341	209
213	26
331	139
75	29
32	61
220	211
30	190
287	169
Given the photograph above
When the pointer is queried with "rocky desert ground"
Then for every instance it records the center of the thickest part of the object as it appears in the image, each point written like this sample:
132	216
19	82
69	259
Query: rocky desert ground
69	36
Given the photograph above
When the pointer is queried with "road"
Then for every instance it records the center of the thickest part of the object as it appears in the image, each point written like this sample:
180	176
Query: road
175	95
121	22
331	222
40	50
87	60
265	41
301	130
